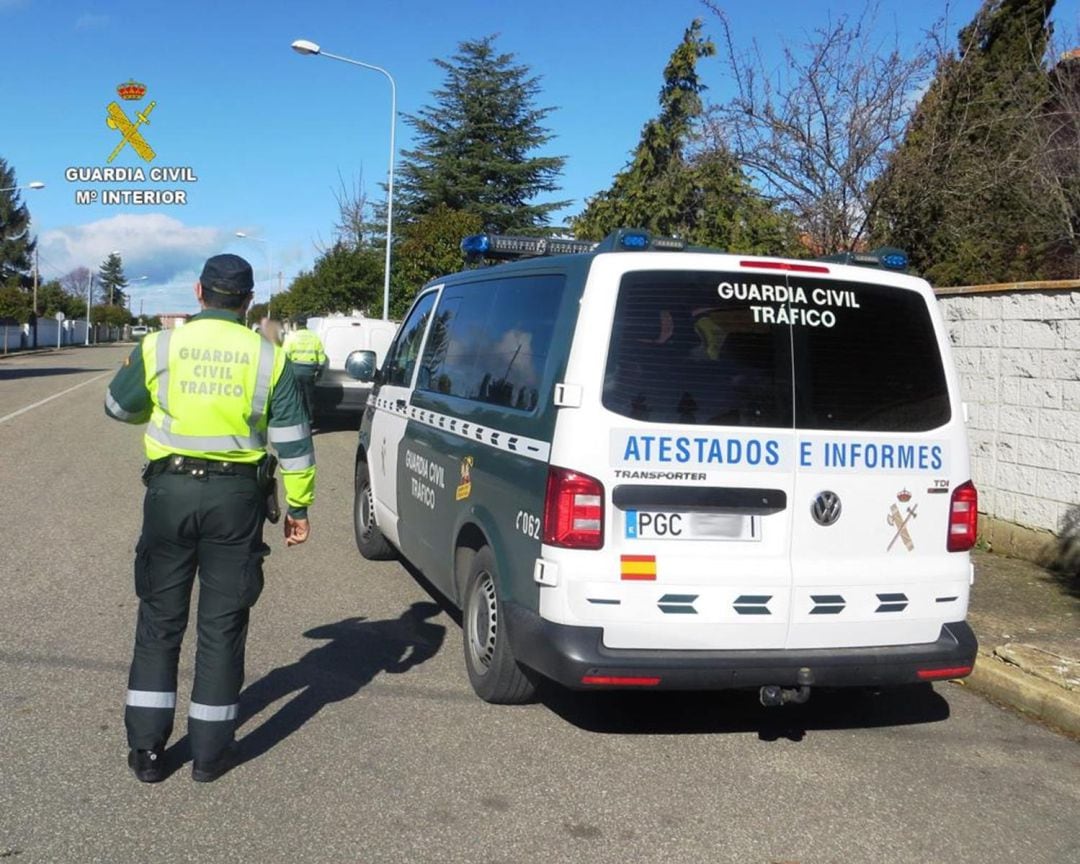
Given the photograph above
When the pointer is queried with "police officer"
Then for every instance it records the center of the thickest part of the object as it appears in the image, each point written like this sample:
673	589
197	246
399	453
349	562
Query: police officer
213	394
305	350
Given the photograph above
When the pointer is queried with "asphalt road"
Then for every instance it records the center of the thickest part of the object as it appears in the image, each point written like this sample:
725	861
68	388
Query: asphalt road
366	743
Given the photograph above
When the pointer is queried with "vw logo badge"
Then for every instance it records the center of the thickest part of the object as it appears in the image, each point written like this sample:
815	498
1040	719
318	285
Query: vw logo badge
826	508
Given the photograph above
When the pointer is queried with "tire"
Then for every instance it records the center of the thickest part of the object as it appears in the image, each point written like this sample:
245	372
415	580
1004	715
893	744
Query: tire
493	672
369	539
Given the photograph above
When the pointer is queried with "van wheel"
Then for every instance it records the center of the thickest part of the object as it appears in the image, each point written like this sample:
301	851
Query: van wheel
369	539
493	672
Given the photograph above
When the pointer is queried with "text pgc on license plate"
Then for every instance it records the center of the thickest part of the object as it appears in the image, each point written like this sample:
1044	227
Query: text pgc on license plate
681	525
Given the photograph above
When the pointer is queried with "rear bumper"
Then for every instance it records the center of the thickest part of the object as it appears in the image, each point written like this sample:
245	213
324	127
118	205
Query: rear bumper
566	654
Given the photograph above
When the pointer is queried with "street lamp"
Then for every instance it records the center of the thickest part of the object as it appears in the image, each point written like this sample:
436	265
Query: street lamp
139	279
89	289
269	267
36	184
304	46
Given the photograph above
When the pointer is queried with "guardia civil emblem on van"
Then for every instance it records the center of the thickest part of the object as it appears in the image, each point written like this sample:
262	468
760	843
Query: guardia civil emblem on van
900	521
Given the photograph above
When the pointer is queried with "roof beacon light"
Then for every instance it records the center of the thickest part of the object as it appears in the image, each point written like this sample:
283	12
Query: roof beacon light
885	256
508	247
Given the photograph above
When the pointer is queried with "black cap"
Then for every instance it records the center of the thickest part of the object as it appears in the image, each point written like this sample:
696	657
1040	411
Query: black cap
227	274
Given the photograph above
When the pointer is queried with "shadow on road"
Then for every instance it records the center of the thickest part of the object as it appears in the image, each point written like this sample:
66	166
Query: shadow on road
326	423
355	652
673	713
23	372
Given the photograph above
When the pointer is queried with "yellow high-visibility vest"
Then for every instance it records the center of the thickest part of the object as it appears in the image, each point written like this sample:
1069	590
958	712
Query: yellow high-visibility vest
210	382
304	348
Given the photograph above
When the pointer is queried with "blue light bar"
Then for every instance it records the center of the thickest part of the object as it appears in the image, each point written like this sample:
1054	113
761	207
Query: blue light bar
476	244
634	240
894	260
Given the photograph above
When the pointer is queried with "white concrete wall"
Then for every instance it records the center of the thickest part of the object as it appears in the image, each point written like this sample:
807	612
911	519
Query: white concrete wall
1018	355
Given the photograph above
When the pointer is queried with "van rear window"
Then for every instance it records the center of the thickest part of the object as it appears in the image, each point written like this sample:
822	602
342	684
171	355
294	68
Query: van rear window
680	353
877	369
711	348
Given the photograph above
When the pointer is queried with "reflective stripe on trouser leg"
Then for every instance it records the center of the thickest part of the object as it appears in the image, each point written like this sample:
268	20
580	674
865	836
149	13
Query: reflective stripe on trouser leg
164	574
219	675
231	552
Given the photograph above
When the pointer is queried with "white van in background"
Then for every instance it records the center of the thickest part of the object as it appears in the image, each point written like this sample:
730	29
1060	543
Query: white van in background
336	392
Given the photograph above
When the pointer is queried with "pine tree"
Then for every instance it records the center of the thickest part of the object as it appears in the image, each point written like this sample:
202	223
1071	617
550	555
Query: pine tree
962	194
16	244
111	281
700	196
476	146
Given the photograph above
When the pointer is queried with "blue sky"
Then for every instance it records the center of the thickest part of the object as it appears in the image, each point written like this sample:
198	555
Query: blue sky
269	133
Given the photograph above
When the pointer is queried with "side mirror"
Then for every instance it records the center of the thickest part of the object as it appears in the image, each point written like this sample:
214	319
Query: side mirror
361	365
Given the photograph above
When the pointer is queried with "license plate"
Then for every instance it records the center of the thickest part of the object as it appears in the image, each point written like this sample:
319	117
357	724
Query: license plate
681	525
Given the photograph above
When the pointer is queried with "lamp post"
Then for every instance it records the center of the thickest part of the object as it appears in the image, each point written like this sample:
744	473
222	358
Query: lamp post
139	279
304	46
36	184
89	289
269	267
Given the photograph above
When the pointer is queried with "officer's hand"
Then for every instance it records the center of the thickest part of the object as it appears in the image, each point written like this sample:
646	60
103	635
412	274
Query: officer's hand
296	530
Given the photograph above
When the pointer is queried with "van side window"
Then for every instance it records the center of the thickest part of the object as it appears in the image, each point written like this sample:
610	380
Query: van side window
490	340
401	359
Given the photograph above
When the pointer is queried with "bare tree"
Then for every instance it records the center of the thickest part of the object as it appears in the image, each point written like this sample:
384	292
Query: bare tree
76	282
1058	177
353	227
814	126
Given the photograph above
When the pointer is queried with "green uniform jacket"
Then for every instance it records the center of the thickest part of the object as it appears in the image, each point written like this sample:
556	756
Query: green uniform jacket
213	389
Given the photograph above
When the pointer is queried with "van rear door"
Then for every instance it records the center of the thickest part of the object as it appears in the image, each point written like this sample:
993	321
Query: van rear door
879	449
696	457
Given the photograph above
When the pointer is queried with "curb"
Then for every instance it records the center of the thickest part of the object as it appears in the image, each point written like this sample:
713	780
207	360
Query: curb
1012	686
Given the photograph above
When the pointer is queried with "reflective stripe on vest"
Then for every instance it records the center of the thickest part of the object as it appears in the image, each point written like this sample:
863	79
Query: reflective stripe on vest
298	463
115	409
288	434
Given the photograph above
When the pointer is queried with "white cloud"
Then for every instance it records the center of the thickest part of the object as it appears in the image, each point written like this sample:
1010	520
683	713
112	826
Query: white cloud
165	250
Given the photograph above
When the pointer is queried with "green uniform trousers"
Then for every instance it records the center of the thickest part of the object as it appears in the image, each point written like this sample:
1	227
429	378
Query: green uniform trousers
305	374
211	525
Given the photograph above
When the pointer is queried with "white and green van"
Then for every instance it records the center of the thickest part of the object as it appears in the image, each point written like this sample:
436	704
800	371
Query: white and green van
634	464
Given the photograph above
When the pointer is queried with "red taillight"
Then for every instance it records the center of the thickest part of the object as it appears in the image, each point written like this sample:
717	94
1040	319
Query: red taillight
620	680
785	265
963	517
573	510
939	674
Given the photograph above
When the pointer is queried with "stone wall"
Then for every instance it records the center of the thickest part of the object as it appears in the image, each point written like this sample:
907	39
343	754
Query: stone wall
1017	349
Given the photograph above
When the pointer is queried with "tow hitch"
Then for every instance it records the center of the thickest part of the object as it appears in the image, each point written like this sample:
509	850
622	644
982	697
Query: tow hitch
773	694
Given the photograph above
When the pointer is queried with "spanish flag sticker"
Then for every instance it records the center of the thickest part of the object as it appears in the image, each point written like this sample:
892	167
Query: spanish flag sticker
638	567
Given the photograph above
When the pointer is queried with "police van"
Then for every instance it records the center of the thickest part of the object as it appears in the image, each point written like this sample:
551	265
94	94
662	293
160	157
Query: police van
634	464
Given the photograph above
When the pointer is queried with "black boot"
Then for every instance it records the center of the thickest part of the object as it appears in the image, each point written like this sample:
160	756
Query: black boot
148	766
208	772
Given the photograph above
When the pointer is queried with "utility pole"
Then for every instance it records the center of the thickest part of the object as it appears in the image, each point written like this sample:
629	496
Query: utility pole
36	262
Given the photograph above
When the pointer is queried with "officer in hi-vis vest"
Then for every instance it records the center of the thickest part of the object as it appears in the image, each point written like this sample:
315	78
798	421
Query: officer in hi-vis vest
305	350
213	394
